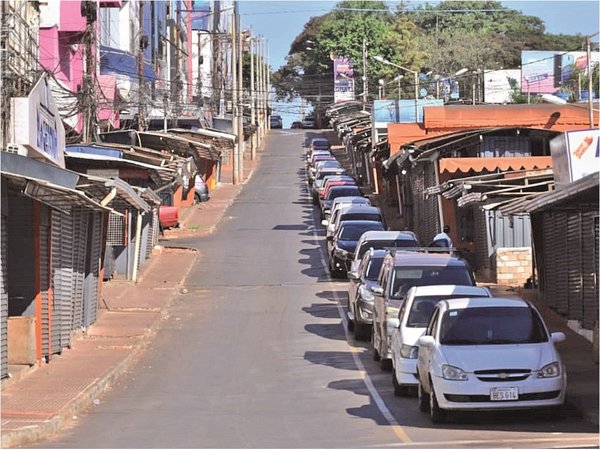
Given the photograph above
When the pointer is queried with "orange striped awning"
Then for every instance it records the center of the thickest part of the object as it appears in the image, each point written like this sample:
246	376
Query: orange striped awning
465	165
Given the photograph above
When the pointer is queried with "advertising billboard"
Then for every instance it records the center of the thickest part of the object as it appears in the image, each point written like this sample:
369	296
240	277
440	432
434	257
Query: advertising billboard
343	80
499	84
545	72
575	154
400	111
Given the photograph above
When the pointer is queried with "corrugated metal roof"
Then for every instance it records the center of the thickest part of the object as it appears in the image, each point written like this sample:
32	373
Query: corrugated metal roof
588	183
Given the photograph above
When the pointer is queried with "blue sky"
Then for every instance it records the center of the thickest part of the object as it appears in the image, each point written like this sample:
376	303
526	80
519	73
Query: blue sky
281	21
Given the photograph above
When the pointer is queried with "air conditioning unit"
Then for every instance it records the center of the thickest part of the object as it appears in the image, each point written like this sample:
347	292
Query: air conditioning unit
12	148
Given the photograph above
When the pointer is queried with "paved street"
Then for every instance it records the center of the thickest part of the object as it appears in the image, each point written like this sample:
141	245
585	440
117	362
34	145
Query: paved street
255	354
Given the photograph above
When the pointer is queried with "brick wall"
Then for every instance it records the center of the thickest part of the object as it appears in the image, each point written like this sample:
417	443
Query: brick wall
513	265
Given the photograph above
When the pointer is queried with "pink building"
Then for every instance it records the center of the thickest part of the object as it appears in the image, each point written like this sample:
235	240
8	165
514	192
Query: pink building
62	52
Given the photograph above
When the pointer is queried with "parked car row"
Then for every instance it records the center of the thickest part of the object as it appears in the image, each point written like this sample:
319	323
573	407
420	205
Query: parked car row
443	337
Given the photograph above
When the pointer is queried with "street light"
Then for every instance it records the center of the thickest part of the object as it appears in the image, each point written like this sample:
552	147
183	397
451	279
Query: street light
381	59
398	79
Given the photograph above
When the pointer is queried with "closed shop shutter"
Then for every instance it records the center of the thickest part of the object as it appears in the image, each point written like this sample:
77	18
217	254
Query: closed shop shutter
3	299
152	236
45	280
94	253
480	239
416	185
590	268
80	232
574	266
431	218
561	273
547	270
62	280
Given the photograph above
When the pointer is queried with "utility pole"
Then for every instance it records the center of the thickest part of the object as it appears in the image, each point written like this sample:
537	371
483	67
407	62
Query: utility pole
364	77
259	99
240	98
140	67
268	83
252	100
590	87
88	99
234	99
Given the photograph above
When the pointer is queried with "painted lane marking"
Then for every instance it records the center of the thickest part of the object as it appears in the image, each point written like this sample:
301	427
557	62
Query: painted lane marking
383	409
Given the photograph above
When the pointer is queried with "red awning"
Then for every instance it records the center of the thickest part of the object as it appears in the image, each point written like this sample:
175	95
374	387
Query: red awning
464	165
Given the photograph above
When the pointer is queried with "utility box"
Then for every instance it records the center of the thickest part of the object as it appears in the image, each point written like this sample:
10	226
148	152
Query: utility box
21	340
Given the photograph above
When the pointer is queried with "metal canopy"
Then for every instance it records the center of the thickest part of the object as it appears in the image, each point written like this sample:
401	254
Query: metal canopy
179	145
126	196
57	197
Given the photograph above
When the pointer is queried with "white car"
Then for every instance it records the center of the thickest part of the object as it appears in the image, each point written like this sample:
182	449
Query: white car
488	354
339	201
413	318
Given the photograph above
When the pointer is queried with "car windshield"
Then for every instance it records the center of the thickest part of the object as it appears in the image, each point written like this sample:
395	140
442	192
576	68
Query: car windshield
373	268
406	277
492	326
353	232
422	308
378	245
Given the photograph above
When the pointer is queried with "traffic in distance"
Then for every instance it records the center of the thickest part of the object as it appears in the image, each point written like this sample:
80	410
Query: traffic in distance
444	339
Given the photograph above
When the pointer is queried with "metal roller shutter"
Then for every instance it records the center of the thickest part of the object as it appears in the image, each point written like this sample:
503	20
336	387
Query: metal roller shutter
574	266
590	268
546	269
480	239
94	253
45	280
431	217
3	299
79	252
561	273
62	279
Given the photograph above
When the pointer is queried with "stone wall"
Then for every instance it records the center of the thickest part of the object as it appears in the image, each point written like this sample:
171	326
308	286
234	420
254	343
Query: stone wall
513	265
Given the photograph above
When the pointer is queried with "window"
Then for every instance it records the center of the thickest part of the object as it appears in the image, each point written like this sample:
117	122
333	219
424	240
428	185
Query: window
373	268
505	146
491	326
432	323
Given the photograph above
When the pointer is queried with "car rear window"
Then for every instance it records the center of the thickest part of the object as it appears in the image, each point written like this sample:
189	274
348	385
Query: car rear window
406	277
353	232
423	306
343	192
492	326
362	216
380	244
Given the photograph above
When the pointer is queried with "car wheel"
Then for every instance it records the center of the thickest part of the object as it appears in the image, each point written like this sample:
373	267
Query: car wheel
436	414
362	332
399	389
423	398
385	364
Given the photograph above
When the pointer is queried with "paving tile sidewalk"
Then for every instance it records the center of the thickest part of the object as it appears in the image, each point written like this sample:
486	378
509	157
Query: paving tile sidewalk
43	400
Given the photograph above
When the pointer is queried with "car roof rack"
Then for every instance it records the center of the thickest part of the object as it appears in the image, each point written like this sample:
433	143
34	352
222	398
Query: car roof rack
452	251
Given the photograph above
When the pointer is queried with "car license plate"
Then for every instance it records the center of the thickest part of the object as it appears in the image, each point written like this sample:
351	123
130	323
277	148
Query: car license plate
504	393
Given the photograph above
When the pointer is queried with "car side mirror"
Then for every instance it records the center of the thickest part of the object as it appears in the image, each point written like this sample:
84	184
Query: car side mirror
393	322
324	222
377	290
426	341
558	337
329	238
352	275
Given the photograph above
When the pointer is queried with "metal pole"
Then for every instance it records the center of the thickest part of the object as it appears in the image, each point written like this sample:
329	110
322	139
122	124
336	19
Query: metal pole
365	83
590	87
267	85
140	64
416	97
240	100
234	99
252	92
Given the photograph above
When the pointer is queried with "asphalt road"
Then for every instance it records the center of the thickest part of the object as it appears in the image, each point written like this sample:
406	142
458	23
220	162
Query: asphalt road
256	354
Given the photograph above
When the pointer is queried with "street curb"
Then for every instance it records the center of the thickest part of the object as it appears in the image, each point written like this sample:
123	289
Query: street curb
83	401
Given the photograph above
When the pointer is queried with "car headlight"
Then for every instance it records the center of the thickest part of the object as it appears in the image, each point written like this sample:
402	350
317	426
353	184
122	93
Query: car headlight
365	313
549	370
409	351
366	293
453	373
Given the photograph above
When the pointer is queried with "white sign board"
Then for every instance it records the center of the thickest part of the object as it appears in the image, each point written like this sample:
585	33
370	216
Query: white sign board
499	85
37	126
583	148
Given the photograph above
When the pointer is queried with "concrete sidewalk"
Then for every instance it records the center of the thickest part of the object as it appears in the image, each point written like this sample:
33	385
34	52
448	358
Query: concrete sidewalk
40	401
